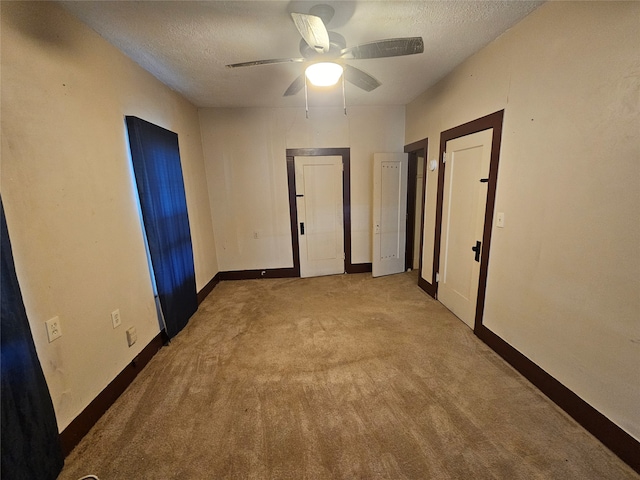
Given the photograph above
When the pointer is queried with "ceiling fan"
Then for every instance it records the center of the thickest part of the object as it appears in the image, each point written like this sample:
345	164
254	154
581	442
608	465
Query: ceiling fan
319	46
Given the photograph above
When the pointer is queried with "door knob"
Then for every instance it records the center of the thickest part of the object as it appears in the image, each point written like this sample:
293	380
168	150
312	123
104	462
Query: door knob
477	250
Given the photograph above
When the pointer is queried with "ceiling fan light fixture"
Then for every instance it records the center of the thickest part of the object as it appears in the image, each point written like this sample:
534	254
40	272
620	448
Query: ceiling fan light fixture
324	74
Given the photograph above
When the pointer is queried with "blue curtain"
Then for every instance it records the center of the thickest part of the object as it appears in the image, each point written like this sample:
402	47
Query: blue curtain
156	165
29	434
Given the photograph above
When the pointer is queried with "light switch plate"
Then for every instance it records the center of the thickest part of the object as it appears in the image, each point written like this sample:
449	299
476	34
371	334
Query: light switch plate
500	220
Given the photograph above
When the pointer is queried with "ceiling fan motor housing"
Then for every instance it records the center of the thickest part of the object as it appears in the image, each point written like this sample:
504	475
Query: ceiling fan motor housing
325	12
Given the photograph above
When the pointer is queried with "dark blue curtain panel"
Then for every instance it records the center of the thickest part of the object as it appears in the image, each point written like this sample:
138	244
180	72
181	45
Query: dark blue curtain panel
29	433
156	165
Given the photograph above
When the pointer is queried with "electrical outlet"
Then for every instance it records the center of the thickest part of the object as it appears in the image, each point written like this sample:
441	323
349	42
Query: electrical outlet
115	318
53	329
132	336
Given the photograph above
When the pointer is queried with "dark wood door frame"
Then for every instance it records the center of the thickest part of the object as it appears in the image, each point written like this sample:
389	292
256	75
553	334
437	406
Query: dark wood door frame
345	153
493	121
413	149
412	173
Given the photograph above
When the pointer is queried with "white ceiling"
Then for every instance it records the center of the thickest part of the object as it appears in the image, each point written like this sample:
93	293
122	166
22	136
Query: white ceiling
186	44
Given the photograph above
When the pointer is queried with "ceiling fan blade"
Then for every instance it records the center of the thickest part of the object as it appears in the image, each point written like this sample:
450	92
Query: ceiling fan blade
313	31
267	62
391	47
360	79
295	86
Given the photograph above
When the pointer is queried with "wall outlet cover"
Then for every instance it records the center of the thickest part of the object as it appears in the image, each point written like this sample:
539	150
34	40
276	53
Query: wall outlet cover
132	336
54	329
115	318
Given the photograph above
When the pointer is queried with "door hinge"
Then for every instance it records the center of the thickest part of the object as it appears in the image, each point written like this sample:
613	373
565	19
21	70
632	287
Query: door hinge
437	277
444	157
343	256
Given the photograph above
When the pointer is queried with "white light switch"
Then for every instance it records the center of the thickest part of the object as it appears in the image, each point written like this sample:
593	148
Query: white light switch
500	220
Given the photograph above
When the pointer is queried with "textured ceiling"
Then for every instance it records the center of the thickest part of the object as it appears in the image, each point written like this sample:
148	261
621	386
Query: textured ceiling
186	44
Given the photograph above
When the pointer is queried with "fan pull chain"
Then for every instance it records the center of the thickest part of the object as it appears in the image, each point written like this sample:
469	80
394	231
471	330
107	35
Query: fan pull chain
306	98
344	97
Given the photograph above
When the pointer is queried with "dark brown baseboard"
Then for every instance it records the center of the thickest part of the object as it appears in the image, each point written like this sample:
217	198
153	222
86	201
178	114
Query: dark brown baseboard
612	436
281	272
81	425
253	274
427	287
359	268
208	288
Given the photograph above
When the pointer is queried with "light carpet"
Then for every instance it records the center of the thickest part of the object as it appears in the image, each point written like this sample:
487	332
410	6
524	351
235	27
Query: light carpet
340	377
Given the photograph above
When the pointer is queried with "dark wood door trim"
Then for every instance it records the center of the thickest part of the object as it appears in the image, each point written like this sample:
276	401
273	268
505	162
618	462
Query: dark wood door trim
493	121
345	153
293	213
412	173
413	149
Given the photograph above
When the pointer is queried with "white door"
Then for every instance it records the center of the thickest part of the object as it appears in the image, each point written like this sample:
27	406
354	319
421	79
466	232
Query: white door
389	212
320	215
464	201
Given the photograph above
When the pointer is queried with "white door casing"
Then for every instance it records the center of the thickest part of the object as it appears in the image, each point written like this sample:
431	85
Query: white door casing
468	160
320	214
389	212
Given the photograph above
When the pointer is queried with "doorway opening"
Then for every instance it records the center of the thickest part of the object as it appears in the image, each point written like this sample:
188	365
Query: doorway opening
416	194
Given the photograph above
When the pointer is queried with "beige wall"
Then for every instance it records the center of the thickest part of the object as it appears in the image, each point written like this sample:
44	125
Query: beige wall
69	196
245	157
564	273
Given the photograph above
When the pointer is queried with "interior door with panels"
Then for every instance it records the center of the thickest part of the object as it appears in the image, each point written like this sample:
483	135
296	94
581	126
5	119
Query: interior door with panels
319	203
467	162
389	212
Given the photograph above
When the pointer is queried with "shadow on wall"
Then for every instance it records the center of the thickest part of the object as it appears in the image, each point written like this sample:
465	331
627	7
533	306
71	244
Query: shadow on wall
40	24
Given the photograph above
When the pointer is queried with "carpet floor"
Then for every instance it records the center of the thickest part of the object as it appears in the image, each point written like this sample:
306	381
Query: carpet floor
340	377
